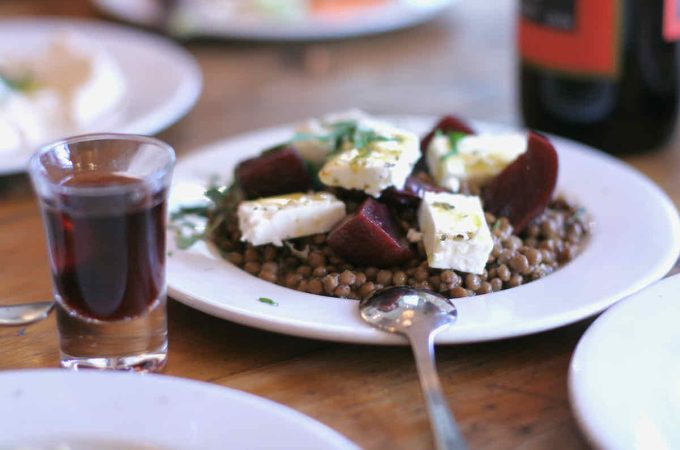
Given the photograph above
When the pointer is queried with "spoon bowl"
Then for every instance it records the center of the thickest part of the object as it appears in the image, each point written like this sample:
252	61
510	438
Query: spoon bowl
398	309
23	314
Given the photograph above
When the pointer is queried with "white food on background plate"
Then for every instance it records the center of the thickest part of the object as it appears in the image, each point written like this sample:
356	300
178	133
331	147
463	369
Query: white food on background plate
382	163
455	233
73	86
476	158
274	219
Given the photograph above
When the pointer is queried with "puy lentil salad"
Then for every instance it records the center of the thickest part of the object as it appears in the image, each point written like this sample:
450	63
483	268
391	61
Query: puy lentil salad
312	263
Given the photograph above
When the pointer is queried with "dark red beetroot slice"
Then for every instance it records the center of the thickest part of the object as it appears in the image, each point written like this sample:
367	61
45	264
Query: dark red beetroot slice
446	124
414	189
370	237
278	171
523	190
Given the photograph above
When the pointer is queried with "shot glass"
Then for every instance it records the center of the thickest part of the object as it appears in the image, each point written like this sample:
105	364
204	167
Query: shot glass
103	199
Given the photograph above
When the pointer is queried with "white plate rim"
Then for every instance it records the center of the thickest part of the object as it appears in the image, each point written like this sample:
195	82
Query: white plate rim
350	329
148	388
399	15
157	117
586	403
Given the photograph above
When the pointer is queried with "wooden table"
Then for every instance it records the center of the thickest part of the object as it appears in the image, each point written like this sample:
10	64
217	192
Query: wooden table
508	394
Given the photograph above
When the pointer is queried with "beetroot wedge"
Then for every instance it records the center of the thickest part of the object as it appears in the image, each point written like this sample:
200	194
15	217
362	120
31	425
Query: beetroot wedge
523	189
370	237
446	124
278	171
414	189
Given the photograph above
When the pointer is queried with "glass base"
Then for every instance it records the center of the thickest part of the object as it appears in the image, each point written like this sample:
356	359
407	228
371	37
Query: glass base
137	344
147	362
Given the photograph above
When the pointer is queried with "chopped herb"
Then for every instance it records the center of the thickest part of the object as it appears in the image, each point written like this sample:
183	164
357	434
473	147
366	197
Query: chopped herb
443	205
189	211
268	301
216	194
25	83
578	214
184	241
346	134
454	139
170	253
496	225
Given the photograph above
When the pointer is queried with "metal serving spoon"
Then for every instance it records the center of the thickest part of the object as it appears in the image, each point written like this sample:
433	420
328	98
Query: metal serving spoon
25	313
419	314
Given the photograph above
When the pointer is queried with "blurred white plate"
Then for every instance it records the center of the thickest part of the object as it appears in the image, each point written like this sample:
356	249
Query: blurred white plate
167	413
635	241
164	81
624	377
393	15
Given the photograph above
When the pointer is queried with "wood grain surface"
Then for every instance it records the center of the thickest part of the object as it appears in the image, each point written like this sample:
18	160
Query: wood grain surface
508	394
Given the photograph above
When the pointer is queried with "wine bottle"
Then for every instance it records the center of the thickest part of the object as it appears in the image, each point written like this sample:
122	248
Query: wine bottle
603	72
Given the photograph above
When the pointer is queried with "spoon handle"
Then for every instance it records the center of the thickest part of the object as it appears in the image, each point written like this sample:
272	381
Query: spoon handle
444	427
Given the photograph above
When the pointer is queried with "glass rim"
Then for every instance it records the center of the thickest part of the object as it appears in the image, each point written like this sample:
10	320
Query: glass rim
35	167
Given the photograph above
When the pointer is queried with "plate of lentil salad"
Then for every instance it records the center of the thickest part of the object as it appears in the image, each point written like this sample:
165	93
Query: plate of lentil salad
629	237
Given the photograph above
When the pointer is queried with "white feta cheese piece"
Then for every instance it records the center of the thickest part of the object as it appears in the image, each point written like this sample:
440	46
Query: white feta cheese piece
383	158
455	233
477	158
273	219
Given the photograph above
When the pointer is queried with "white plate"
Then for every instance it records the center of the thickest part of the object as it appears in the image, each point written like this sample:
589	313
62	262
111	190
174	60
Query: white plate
624	378
635	241
48	406
394	15
163	79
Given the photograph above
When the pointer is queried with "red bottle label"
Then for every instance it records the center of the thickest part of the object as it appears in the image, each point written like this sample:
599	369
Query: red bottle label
571	36
671	20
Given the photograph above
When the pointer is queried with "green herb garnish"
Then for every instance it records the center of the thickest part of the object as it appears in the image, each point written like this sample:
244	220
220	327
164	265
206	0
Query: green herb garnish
578	214
25	83
268	301
454	139
443	205
346	134
189	211
184	241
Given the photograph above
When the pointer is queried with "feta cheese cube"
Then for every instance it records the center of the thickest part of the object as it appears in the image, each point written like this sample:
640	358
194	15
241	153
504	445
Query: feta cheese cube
477	158
383	158
273	219
455	233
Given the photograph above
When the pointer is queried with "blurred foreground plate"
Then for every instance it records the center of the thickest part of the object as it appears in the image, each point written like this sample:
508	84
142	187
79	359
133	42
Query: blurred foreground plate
283	20
635	241
151	102
624	378
40	409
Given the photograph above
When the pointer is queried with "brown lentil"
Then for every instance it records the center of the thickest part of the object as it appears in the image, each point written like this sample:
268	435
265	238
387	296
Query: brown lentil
384	277
472	281
515	280
252	267
398	278
330	282
484	288
316	259
348	278
520	264
458	292
342	290
319	272
314	286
